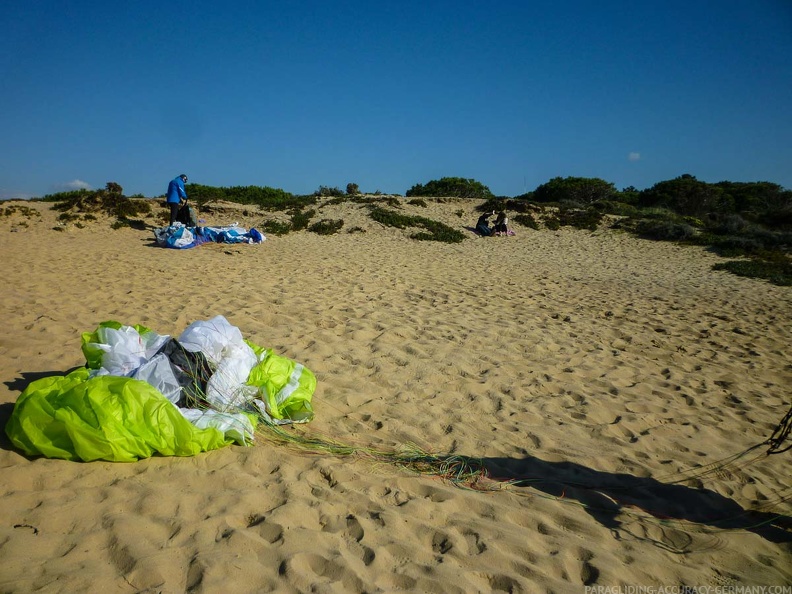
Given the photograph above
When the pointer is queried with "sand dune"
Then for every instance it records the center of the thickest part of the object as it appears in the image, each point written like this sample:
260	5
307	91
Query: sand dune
565	357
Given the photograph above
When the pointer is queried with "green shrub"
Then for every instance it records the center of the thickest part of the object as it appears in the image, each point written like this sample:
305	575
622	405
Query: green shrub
65	196
589	218
663	230
435	231
658	213
326	226
265	197
352	189
552	222
324	191
110	201
526	220
614	207
583	190
300	219
390	218
417	202
25	211
275	227
495	204
777	272
451	186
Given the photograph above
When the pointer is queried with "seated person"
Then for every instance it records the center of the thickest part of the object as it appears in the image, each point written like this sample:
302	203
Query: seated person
482	225
501	224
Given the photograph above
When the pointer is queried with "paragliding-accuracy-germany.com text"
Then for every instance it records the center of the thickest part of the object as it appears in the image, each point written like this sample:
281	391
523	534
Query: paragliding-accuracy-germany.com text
678	589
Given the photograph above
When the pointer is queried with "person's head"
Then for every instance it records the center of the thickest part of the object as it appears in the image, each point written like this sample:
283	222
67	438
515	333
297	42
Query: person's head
183	178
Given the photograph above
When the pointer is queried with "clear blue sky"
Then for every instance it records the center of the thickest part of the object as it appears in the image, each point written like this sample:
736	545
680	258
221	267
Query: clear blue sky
297	95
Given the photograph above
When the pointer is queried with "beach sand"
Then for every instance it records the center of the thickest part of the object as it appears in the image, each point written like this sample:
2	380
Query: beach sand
565	357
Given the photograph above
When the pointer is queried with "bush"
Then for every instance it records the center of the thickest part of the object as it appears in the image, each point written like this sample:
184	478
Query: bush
324	192
265	198
583	190
65	196
352	190
326	226
76	206
451	186
435	231
300	219
552	222
688	196
613	207
663	230
417	202
334	201
25	211
589	218
526	220
776	272
492	204
275	227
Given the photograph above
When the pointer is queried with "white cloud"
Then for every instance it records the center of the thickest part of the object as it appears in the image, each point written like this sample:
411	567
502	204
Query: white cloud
634	157
76	184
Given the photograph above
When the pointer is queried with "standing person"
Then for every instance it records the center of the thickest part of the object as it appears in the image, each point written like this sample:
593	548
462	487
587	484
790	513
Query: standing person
176	193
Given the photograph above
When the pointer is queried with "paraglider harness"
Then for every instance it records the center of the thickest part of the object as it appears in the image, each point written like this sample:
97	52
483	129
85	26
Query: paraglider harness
186	215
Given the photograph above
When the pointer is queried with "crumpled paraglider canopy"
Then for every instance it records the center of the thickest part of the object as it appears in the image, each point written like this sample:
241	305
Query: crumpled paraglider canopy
178	236
142	393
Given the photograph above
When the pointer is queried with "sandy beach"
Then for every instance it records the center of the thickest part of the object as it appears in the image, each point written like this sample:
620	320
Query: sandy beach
606	369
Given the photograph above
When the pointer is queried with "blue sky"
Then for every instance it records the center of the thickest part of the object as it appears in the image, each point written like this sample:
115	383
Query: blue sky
297	95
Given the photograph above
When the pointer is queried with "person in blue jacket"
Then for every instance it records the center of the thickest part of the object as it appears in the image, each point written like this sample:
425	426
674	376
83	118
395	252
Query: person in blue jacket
176	193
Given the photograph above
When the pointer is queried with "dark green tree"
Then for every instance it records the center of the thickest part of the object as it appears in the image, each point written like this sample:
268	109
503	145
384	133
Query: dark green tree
451	186
584	190
756	197
687	196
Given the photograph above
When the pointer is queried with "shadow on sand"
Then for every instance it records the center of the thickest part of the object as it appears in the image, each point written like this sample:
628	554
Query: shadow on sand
604	495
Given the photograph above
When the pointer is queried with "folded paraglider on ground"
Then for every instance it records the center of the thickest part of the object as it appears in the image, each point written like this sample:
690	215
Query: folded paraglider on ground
142	393
179	236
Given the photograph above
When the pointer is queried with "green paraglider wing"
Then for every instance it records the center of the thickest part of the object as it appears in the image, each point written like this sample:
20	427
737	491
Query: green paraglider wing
286	386
112	418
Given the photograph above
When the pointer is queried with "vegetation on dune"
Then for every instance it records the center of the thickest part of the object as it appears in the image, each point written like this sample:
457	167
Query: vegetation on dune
750	223
20	209
271	227
451	186
326	226
81	206
748	220
579	190
300	219
434	231
265	198
778	272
